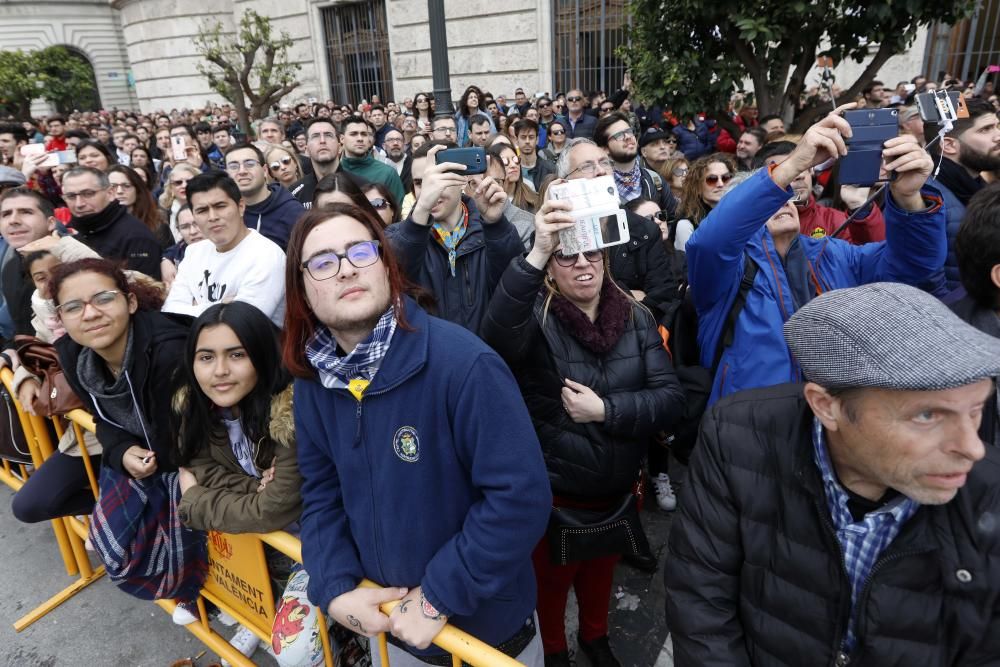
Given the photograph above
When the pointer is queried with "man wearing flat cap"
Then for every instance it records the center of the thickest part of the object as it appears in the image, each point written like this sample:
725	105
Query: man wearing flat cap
853	519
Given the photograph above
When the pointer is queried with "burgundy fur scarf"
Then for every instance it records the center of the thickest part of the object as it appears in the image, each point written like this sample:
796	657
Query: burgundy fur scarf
600	336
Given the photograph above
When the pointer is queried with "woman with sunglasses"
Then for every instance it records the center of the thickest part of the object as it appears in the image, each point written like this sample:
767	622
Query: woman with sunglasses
704	185
557	136
383	202
174	196
598	383
518	193
423	112
674	172
283	167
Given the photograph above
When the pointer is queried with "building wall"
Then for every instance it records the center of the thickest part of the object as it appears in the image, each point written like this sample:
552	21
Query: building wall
91	26
497	46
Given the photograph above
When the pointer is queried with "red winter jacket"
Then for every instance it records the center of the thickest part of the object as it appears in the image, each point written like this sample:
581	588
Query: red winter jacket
727	142
818	221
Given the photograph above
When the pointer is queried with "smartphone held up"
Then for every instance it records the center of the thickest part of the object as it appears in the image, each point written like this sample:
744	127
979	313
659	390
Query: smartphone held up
599	220
52	159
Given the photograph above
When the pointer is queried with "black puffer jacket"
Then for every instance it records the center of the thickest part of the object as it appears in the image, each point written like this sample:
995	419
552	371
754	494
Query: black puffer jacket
755	576
641	394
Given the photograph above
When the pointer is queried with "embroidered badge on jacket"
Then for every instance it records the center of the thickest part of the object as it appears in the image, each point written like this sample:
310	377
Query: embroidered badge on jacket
406	442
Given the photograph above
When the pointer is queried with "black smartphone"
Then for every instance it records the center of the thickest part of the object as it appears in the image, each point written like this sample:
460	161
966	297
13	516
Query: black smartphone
473	158
871	128
939	105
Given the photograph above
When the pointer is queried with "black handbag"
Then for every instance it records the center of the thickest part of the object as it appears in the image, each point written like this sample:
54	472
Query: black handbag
13	444
577	534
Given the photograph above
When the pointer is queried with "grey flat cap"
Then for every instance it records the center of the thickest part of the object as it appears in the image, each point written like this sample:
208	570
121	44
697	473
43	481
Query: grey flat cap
891	336
9	175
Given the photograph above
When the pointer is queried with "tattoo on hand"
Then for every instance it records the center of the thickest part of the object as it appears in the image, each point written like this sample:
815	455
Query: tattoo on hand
355	623
403	605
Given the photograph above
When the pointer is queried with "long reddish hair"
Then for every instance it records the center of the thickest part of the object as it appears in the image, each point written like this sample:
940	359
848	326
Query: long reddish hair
300	321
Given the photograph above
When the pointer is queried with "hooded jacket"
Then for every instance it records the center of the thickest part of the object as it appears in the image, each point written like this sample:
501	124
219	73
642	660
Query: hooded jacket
275	216
483	255
735	231
116	235
158	349
434	477
755	575
226	497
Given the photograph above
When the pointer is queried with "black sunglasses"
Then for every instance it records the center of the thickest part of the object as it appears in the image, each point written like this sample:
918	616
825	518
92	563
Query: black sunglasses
592	256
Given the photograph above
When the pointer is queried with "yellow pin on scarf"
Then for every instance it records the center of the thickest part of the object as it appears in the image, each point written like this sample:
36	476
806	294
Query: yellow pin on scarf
357	387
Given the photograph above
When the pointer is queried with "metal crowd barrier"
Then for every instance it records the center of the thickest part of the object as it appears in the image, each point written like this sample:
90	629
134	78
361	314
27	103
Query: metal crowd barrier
238	582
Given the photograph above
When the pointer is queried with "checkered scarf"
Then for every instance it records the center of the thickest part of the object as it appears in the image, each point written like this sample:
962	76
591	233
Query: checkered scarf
335	372
450	240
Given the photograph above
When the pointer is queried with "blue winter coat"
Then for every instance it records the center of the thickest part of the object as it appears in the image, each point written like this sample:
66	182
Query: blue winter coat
913	252
694	143
434	479
954	214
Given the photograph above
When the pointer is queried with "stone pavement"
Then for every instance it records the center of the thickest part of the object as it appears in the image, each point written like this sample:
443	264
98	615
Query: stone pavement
101	627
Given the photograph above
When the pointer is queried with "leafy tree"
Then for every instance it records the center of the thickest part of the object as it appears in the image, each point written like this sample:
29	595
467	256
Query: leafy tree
692	55
250	66
69	79
54	73
19	83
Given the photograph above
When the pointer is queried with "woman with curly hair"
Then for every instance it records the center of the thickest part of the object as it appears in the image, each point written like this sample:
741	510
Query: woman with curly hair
703	187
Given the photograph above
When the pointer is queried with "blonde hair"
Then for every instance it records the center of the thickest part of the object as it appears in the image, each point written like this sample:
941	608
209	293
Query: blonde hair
295	161
552	290
167	198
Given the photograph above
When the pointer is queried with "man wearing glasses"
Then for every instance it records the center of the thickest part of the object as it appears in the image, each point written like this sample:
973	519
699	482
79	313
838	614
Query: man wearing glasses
615	135
641	265
270	208
323	149
233	263
581	124
105	225
454	246
656	147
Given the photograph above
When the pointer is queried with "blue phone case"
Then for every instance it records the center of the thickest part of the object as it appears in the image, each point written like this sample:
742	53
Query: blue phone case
871	128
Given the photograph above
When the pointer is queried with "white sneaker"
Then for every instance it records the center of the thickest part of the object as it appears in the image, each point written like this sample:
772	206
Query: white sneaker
243	641
665	497
185	613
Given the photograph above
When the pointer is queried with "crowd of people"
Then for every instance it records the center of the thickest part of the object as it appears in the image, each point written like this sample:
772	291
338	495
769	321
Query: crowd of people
323	327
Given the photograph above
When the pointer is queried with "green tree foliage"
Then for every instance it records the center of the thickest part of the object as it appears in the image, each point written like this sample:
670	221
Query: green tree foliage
54	73
691	55
250	68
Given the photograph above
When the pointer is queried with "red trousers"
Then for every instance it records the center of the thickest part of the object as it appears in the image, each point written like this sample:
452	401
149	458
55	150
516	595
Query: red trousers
591	579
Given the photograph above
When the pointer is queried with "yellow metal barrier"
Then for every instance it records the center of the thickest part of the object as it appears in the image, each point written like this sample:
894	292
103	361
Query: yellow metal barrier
70	533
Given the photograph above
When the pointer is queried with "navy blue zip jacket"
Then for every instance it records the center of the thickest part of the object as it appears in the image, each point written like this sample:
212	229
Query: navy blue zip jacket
275	216
435	478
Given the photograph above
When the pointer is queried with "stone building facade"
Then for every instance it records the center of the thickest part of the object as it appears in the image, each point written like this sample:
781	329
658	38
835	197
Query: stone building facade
144	56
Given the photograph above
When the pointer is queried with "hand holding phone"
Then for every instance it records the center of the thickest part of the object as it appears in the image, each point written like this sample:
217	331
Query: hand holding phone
870	129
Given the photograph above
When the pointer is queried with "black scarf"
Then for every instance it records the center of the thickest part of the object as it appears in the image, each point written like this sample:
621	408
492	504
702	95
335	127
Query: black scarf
113	396
97	221
600	336
955	177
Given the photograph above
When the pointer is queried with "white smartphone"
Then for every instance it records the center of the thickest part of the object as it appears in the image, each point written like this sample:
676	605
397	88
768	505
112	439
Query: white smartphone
178	148
600	222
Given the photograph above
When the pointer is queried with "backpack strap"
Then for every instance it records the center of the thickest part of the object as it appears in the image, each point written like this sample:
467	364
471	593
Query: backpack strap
729	327
656	178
